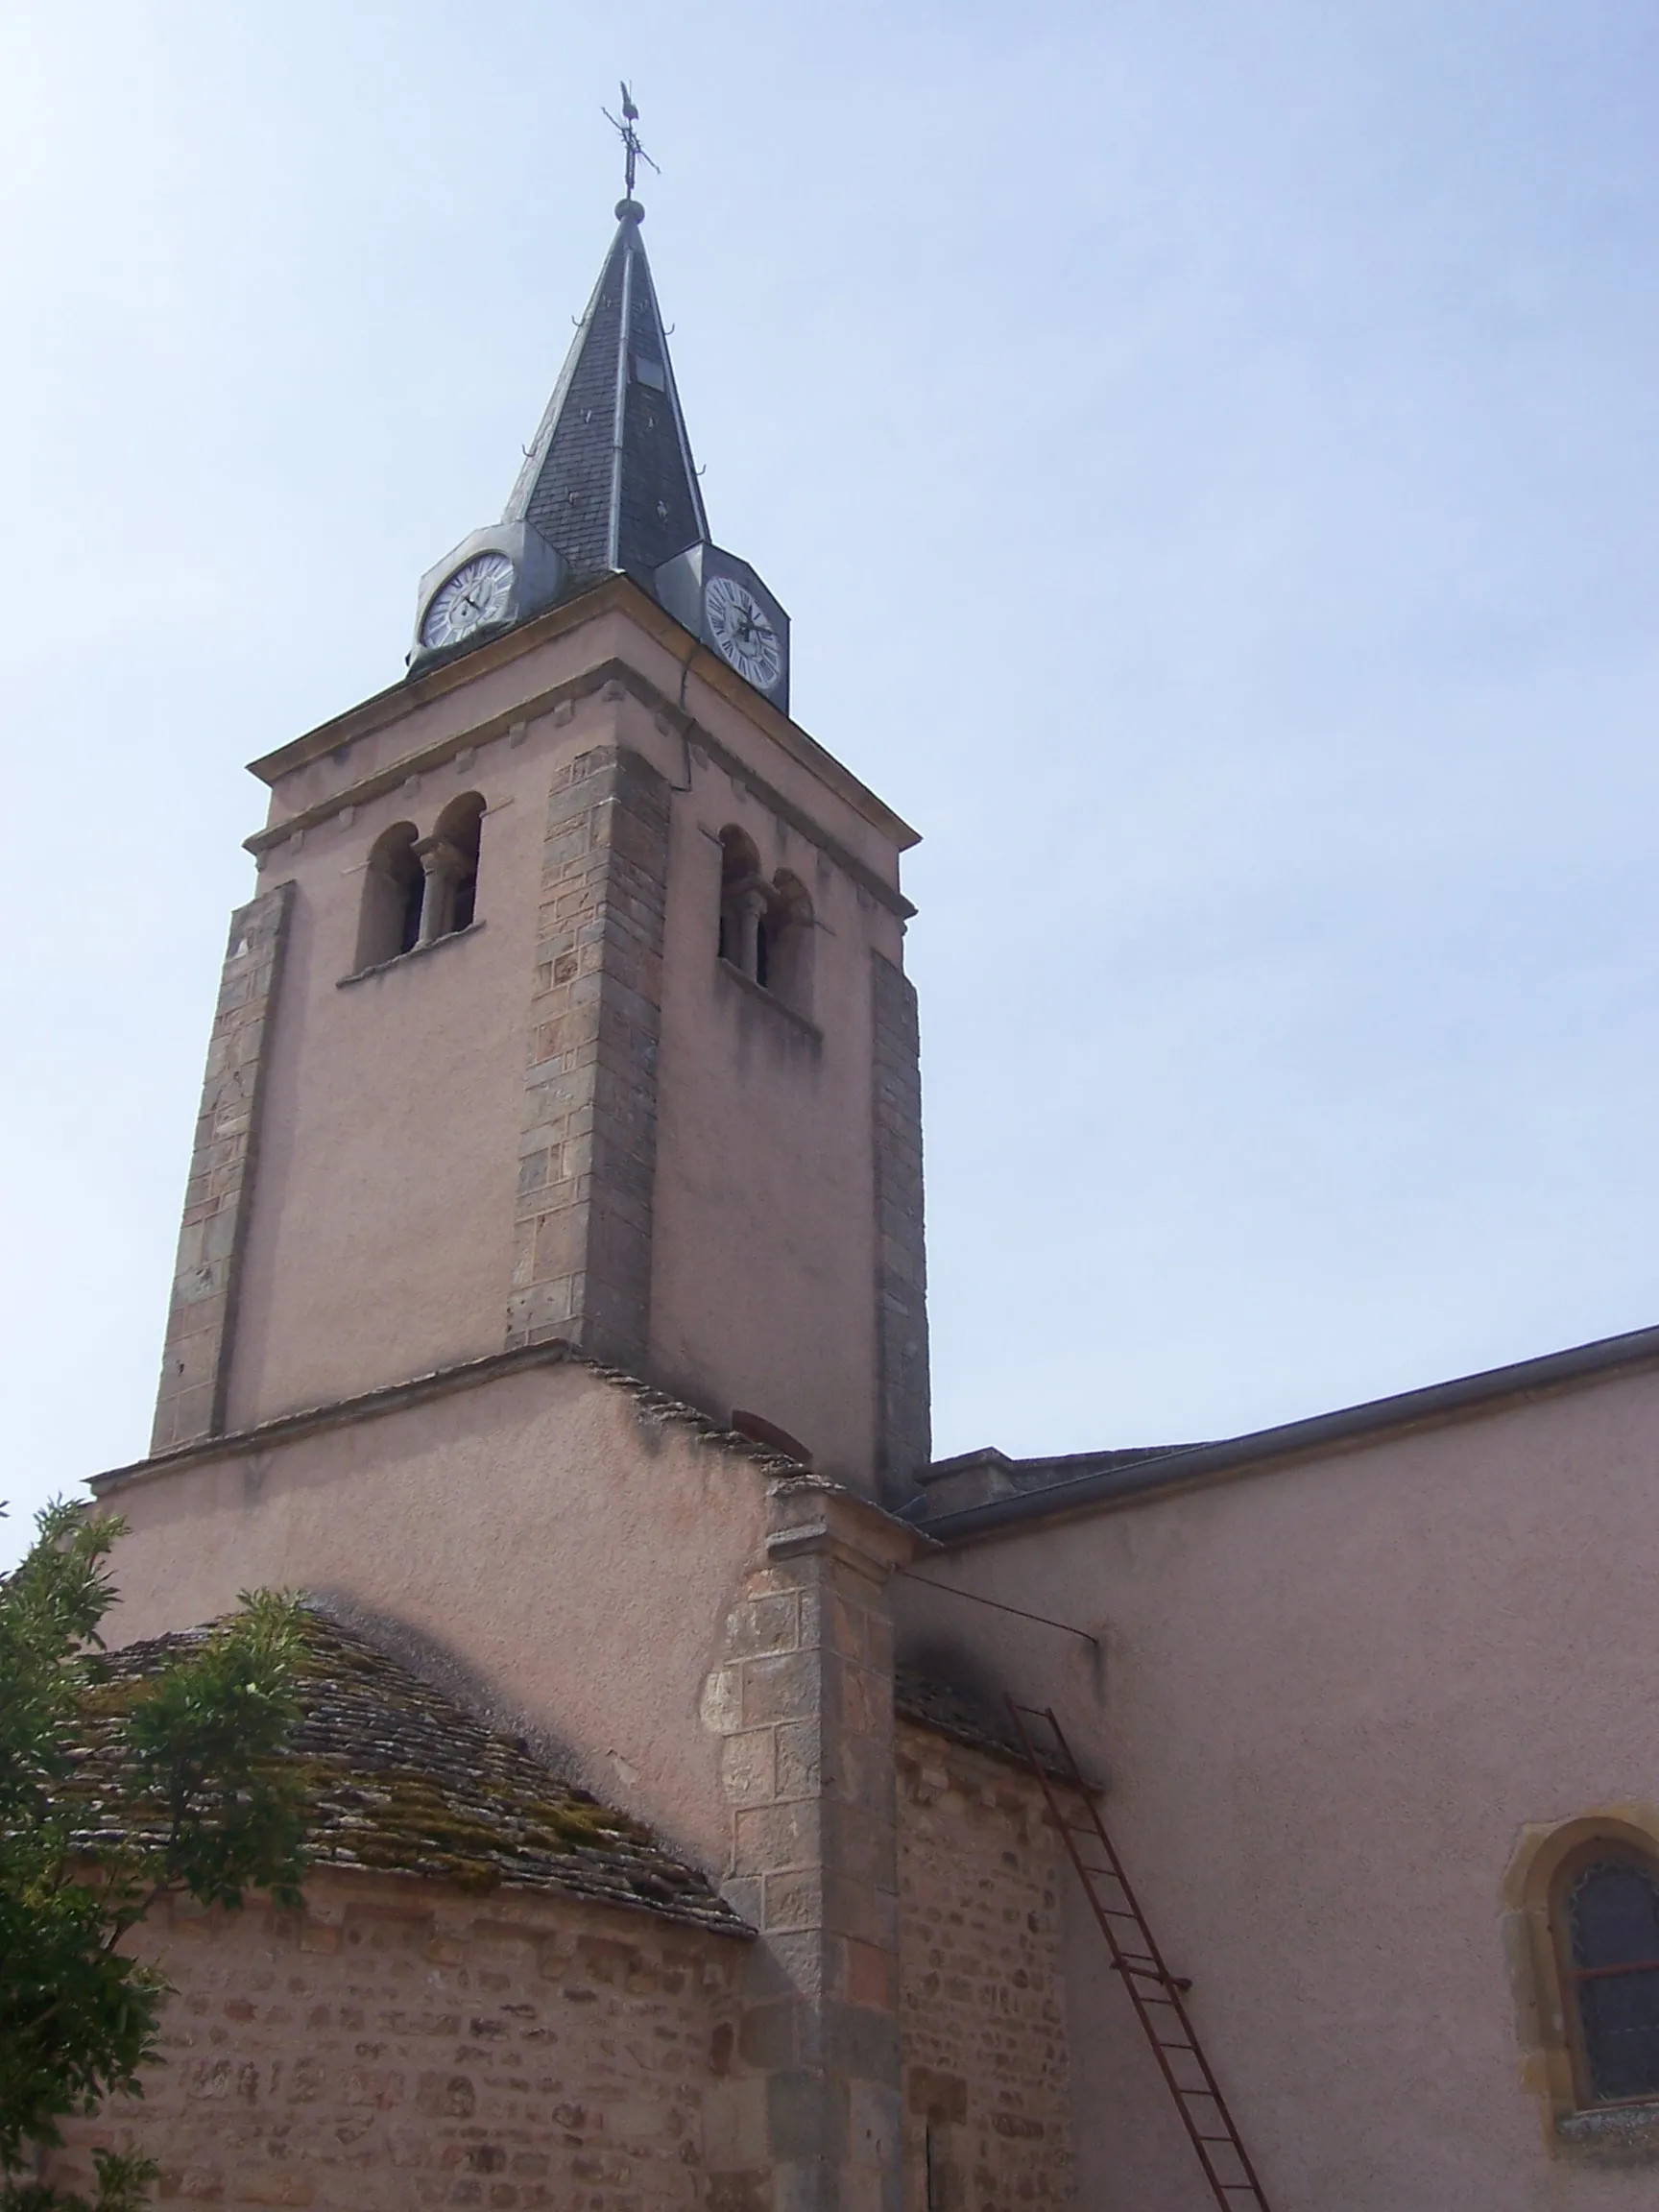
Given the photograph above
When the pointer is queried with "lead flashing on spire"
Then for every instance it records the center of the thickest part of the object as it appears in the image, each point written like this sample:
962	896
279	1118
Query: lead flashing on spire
619	415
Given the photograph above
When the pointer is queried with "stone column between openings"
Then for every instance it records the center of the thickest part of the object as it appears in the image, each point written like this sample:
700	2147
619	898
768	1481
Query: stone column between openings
904	1440
803	1699
587	1154
218	1197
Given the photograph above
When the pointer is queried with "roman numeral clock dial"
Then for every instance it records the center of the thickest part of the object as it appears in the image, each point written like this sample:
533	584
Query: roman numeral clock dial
742	632
475	595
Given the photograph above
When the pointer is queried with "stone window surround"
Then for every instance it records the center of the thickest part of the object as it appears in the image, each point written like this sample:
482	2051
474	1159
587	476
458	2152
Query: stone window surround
1623	2134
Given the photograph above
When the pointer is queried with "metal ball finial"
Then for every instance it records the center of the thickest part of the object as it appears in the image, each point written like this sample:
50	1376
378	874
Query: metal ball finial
630	211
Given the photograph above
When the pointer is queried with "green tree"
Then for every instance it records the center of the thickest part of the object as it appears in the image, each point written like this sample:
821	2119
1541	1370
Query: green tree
117	1789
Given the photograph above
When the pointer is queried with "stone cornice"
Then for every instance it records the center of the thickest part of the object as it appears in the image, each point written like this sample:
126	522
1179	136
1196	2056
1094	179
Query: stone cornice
810	1514
440	750
619	593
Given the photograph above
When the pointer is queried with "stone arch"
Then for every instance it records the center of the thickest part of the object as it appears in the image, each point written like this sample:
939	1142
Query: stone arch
1553	2062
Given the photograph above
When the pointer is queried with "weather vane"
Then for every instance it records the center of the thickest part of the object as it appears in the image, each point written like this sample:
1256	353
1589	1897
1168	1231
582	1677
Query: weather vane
630	137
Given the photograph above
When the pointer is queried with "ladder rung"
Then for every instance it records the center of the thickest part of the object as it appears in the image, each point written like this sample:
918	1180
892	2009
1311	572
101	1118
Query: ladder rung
1148	1981
1151	1973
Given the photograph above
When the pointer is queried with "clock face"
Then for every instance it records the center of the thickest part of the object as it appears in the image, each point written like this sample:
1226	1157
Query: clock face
742	630
476	593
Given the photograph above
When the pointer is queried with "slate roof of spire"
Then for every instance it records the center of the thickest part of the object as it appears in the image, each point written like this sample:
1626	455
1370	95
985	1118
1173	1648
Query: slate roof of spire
399	1779
609	480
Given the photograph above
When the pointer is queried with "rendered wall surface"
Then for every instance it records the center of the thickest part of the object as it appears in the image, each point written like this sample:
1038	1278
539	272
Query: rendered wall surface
381	1237
459	1145
705	1644
537	1542
764	1283
983	2011
1330	1699
403	2046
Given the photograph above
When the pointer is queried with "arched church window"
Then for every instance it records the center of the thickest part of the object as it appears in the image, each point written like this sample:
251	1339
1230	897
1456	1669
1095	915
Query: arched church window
1605	1917
449	859
393	888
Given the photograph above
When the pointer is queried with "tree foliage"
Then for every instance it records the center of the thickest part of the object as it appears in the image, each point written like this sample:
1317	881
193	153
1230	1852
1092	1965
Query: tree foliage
198	1805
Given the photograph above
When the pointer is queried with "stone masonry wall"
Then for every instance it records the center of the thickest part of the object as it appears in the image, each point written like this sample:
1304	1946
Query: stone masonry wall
803	1701
903	1419
195	1364
587	1156
987	2109
378	2055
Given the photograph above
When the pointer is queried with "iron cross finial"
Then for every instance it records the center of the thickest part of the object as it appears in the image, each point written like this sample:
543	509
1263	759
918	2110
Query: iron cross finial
630	136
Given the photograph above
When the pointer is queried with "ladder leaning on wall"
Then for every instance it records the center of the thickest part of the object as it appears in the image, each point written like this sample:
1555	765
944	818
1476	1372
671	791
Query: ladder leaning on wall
1155	1993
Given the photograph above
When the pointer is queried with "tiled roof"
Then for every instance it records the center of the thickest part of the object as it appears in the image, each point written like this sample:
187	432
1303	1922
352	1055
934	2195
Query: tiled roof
400	1779
964	1719
934	1705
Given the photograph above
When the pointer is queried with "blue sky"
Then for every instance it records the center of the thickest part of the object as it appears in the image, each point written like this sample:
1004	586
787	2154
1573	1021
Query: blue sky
1208	451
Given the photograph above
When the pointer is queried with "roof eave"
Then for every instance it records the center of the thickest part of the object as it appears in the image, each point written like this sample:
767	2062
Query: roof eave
1350	1428
394	702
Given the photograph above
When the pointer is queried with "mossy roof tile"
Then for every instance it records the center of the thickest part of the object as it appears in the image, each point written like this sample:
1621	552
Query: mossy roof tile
399	1778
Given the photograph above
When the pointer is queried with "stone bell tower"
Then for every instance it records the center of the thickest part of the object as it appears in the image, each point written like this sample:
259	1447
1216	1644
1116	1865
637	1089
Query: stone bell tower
571	1004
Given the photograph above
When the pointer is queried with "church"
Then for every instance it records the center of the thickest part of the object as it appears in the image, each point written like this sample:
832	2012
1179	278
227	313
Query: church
716	1802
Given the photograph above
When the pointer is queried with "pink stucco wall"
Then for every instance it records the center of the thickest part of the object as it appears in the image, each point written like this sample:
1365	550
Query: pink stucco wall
562	1560
1331	1695
764	1239
381	1227
380	1239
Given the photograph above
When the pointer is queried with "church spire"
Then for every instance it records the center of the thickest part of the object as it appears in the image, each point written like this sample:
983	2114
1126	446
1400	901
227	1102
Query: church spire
609	488
609	481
